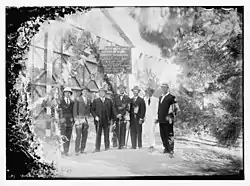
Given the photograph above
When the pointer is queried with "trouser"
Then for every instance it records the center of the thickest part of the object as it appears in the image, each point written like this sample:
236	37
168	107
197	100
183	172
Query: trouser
81	137
66	130
149	127
121	132
99	128
135	133
167	136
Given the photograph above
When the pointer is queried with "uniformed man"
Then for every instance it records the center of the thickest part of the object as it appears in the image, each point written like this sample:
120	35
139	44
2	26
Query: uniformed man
121	102
137	114
102	110
81	112
167	110
67	118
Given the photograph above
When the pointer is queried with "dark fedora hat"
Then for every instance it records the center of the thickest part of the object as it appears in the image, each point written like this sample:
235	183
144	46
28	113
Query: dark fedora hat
136	88
121	86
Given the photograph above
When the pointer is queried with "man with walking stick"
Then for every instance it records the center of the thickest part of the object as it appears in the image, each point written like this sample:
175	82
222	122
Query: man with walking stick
121	102
102	111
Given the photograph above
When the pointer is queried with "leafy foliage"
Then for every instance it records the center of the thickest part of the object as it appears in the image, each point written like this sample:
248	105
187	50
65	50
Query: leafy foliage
22	158
208	45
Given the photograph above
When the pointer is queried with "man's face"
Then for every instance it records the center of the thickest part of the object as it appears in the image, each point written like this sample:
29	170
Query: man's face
135	92
149	93
67	94
84	93
108	96
121	90
102	94
164	89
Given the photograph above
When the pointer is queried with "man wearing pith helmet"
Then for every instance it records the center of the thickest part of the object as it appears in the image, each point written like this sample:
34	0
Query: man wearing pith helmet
67	118
137	114
121	103
102	110
167	110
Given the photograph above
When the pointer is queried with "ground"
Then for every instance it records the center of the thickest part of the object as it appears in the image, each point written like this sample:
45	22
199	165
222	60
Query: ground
192	157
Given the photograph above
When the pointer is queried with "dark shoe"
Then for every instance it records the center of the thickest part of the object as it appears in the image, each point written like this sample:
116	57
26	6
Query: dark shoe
77	153
165	151
133	148
66	154
82	151
106	149
171	154
96	151
151	149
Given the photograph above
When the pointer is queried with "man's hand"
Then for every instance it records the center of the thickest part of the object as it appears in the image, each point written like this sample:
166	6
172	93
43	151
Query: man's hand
140	121
119	116
127	125
156	121
97	118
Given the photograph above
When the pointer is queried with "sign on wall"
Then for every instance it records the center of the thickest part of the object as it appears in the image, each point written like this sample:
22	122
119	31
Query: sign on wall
116	59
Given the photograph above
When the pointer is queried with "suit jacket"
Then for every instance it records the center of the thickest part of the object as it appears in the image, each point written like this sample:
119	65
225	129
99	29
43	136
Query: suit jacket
121	106
142	107
163	108
66	111
103	110
81	108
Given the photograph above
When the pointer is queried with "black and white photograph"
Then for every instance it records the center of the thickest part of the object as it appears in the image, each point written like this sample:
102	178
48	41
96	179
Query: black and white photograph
124	92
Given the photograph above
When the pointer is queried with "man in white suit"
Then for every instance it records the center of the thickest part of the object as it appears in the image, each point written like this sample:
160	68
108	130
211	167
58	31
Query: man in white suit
151	114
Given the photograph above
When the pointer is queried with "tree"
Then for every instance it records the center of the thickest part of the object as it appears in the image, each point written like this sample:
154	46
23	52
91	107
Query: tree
21	150
208	45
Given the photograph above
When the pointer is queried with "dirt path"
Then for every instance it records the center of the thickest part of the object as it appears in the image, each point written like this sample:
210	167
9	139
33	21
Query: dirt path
192	157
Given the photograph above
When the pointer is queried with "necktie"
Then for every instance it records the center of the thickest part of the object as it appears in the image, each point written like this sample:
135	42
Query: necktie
134	99
149	101
68	101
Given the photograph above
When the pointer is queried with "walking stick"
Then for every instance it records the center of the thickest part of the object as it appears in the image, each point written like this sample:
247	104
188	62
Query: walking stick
97	132
119	132
127	137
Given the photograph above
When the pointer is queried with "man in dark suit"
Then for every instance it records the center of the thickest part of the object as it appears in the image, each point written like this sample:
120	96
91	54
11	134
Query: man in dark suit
81	112
137	114
102	110
167	109
121	102
67	118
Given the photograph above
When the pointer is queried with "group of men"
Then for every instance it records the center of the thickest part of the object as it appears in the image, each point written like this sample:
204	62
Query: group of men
120	113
